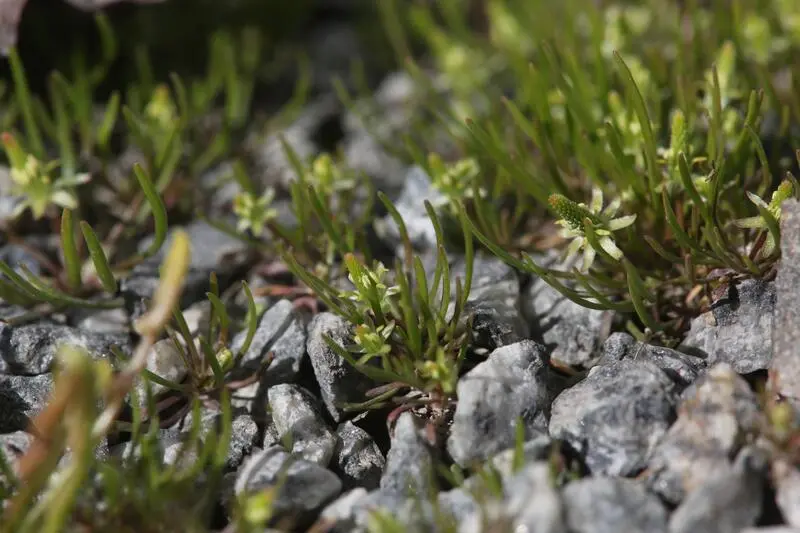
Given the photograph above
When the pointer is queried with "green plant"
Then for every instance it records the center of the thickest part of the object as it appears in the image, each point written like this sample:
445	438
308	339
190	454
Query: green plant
33	182
615	101
165	124
409	331
84	405
207	357
324	229
67	285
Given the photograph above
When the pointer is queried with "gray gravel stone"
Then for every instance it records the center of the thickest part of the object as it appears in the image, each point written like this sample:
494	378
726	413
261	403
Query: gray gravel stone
612	505
280	331
536	449
244	433
178	451
211	251
616	416
198	317
738	329
8	201
413	514
364	153
533	501
682	368
303	488
786	480
16	256
417	188
300	424
714	418
334	48
492	516
340	515
107	321
273	166
30	349
458	503
220	188
574	333
164	360
509	385
785	366
409	468
339	382
357	459
22	398
362	148
727	501
12	447
174	439
494	303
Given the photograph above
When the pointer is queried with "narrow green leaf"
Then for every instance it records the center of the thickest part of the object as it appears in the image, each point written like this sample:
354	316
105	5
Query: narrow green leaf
650	146
23	97
156	206
188	339
223	445
401	227
678	232
62	127
251	319
602	299
109	120
661	251
638	295
44	293
13	294
762	155
99	258
410	317
72	262
772	224
691	190
210	357
717	148
326	218
219	310
184	109
169	384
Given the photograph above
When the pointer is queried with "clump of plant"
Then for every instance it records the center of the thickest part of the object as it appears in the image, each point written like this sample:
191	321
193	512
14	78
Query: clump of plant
57	145
68	285
410	330
84	406
564	107
331	208
208	358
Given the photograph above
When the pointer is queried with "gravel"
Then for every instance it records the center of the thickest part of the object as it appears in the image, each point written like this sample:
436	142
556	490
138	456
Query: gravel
510	387
616	416
616	435
339	382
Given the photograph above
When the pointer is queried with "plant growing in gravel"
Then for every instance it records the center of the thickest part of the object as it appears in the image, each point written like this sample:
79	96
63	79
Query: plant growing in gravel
616	101
33	181
67	286
323	196
325	226
207	357
83	408
409	331
166	124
